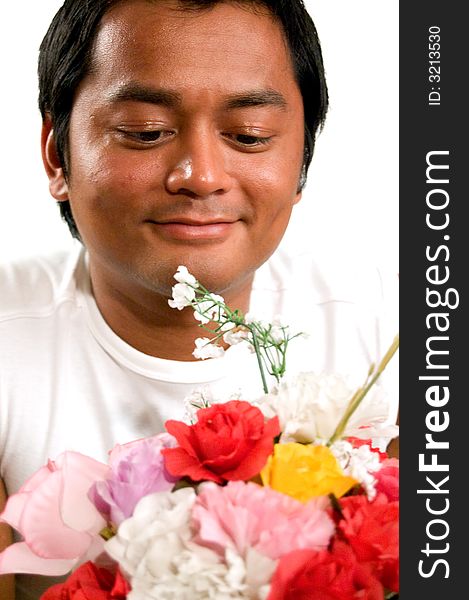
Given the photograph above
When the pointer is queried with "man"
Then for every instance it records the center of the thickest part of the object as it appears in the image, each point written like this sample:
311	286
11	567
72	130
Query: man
175	133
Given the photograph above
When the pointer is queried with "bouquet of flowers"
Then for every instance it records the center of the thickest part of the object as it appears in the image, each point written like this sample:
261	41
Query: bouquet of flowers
283	497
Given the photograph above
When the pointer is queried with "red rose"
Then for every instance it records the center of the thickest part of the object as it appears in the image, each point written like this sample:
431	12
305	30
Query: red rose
324	575
372	530
230	441
89	582
388	479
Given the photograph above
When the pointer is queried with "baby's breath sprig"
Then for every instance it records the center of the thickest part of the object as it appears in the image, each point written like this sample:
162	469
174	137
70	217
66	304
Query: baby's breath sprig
269	341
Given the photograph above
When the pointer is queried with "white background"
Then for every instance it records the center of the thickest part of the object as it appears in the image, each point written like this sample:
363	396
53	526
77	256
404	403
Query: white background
352	193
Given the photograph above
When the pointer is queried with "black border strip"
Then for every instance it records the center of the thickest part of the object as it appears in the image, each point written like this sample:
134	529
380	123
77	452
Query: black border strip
433	259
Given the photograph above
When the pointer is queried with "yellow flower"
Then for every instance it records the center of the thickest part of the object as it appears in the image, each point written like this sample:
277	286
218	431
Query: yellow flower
305	471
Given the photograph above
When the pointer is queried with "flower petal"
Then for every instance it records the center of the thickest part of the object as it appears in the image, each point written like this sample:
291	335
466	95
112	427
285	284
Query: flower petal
183	434
42	525
38	477
179	463
18	558
14	509
79	473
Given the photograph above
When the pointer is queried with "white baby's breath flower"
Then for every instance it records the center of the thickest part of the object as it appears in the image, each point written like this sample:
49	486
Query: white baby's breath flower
359	463
183	295
277	334
208	310
197	399
310	406
277	331
203	398
235	336
204	349
182	275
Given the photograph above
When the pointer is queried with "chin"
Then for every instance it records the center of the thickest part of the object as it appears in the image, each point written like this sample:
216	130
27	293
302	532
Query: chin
218	276
220	270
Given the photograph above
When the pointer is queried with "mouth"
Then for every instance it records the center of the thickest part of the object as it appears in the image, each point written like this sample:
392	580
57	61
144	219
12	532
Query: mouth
186	229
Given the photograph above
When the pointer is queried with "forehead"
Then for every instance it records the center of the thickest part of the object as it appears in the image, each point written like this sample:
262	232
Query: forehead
226	47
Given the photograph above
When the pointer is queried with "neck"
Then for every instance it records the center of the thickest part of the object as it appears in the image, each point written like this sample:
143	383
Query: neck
143	318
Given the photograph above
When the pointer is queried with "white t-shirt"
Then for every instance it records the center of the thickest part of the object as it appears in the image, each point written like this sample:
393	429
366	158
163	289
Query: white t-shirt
68	382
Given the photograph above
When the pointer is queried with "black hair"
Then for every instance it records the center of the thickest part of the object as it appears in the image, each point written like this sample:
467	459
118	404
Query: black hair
66	51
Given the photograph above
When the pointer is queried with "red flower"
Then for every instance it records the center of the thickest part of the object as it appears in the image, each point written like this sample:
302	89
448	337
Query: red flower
230	441
372	530
357	442
89	582
388	479
324	575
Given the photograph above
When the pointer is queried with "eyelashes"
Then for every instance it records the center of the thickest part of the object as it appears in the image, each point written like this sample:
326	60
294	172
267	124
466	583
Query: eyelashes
148	138
249	140
145	137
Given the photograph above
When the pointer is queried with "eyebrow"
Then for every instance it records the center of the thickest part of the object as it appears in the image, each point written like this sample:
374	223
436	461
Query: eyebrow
256	98
137	93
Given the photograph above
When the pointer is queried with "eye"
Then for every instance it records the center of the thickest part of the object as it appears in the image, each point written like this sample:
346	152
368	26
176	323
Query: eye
248	141
145	137
251	140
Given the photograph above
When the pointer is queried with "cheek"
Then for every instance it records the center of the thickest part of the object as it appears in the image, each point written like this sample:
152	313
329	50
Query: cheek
276	173
140	170
115	182
99	168
273	192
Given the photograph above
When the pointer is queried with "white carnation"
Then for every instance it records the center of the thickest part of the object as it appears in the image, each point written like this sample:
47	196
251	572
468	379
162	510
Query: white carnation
259	572
196	573
155	551
147	542
310	406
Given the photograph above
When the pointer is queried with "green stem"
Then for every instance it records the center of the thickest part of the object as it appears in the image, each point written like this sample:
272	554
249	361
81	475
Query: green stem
259	360
362	392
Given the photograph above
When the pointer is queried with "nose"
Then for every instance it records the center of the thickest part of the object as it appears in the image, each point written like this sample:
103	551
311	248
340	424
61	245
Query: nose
199	168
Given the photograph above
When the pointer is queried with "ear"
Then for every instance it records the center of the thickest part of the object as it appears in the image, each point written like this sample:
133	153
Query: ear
57	184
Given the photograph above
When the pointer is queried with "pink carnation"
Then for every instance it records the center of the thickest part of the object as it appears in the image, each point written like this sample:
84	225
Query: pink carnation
243	515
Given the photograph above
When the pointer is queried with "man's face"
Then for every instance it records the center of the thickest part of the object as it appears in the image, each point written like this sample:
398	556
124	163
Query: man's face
186	144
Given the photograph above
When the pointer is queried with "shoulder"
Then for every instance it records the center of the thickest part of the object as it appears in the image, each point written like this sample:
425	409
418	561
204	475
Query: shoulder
33	287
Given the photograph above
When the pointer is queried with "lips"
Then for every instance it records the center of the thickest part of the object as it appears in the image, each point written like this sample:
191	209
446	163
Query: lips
187	229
